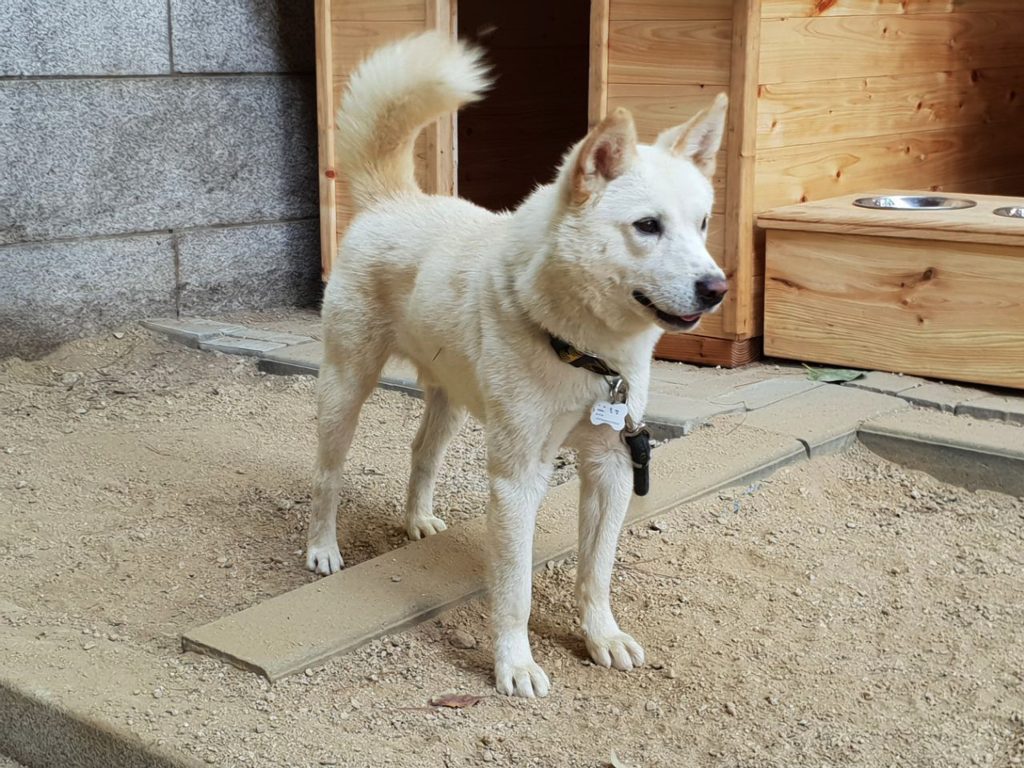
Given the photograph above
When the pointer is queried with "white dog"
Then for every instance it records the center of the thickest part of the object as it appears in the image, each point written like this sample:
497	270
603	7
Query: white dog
491	307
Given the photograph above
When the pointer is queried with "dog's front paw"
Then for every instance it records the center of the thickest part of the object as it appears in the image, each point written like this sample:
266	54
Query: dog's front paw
526	680
324	559
421	527
617	650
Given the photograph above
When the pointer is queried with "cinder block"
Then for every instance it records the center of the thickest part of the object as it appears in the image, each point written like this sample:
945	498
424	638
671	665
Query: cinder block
253	267
98	157
53	292
84	37
243	36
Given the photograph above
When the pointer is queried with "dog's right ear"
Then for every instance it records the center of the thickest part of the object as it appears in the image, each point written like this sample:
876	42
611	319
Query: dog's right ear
605	154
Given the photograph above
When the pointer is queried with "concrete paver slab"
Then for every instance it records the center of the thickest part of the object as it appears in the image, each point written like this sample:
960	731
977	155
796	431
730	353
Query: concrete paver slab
296	360
996	407
824	419
308	625
761	394
886	383
943	397
190	331
235	345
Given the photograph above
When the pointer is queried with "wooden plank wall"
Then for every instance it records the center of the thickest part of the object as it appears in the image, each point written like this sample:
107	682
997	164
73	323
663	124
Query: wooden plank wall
912	94
666	60
357	27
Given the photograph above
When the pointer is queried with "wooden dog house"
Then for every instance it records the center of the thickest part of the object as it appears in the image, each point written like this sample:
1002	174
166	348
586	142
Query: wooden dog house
828	97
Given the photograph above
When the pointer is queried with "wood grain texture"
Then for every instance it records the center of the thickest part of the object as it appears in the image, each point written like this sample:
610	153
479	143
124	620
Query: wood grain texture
728	353
742	313
790	8
670	10
440	139
949	311
925	160
378	10
669	52
824	48
806	113
597	95
325	138
657	107
840	216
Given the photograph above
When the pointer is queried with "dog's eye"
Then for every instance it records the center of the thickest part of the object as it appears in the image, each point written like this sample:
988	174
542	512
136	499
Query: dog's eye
704	225
649	226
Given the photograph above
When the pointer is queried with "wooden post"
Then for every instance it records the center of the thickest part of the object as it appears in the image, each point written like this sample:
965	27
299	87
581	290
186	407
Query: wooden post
325	136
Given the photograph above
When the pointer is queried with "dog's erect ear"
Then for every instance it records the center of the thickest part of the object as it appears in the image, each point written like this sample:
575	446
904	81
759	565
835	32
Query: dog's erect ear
606	153
699	139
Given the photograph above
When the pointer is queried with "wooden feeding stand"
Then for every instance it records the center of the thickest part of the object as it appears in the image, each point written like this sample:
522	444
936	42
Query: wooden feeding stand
828	97
932	292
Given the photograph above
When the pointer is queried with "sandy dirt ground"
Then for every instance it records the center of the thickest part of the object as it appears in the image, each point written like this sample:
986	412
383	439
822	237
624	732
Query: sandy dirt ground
844	612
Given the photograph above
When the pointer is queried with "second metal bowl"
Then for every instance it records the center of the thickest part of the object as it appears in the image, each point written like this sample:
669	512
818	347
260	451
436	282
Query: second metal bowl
1011	212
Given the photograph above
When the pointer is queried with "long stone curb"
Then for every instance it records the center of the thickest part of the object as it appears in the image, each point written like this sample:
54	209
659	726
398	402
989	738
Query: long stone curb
48	717
973	454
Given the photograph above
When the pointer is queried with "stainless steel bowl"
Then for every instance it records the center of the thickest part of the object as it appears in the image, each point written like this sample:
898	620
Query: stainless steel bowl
1010	212
914	203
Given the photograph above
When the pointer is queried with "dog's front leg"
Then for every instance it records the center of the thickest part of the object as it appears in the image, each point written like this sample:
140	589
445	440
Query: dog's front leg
606	484
518	483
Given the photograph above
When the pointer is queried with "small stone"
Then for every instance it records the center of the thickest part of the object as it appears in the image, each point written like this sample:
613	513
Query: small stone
851	525
867	695
283	505
462	639
221	560
21	485
158	693
659	525
118	335
88	646
396	579
488	756
670	674
261	728
328	761
308	672
730	708
821	529
70	378
773	700
651	706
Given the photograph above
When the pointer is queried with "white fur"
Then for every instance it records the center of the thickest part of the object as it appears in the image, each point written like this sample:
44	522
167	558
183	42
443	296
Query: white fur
470	297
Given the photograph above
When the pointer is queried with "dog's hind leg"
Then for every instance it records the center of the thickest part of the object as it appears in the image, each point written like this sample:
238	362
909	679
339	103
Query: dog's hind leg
441	420
606	483
347	377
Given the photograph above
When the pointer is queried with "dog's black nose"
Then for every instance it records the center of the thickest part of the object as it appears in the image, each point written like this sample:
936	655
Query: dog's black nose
711	290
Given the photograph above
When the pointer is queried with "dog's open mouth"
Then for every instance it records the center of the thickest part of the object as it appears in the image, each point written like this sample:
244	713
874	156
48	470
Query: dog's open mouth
682	322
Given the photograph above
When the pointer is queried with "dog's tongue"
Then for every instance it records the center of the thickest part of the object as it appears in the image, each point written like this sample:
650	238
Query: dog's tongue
689	318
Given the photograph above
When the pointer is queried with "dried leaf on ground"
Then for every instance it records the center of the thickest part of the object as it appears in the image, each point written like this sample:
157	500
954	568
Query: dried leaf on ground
832	374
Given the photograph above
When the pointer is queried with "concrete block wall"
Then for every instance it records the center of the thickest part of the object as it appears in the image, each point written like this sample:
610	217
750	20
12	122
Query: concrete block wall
156	157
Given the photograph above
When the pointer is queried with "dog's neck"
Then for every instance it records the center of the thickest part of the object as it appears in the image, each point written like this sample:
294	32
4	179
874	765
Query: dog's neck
559	307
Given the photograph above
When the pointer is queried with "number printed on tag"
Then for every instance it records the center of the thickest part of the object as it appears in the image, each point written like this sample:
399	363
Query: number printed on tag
612	414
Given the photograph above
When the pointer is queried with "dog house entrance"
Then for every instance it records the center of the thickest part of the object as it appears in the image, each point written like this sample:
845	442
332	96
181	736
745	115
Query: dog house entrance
514	139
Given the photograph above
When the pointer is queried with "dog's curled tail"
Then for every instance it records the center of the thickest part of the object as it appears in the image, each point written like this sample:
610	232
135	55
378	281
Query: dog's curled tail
394	93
